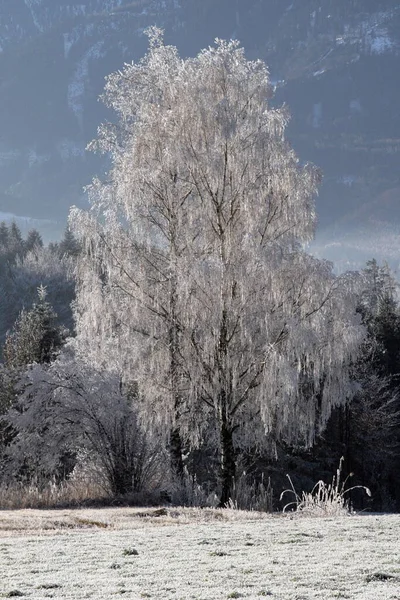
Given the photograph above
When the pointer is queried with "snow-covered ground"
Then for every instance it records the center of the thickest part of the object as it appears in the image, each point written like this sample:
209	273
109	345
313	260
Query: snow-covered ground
204	555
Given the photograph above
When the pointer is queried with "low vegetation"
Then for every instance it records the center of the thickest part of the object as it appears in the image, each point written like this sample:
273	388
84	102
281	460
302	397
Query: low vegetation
330	499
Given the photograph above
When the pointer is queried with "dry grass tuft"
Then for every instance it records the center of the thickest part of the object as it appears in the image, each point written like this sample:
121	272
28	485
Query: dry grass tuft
324	499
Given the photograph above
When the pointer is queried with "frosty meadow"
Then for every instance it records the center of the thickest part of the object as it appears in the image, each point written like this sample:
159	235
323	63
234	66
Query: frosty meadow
199	555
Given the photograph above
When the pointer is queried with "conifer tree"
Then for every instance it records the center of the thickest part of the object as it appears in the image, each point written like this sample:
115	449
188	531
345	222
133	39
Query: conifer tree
33	241
69	245
35	337
366	430
15	241
4	235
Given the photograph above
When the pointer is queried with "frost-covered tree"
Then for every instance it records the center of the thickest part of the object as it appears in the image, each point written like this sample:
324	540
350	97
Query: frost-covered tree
194	280
20	279
36	337
377	283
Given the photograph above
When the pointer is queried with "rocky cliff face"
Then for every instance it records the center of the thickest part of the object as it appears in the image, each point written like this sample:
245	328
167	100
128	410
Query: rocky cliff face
334	62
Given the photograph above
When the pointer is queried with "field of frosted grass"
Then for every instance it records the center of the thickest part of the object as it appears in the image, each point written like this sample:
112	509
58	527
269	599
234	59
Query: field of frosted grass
197	554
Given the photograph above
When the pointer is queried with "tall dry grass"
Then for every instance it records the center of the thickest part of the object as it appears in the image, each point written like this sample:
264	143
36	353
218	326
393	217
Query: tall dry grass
325	499
51	495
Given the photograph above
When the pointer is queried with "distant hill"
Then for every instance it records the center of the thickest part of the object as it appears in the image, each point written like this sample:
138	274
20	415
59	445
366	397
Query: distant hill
334	62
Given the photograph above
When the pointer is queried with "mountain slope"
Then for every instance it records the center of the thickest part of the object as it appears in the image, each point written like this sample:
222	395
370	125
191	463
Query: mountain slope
334	63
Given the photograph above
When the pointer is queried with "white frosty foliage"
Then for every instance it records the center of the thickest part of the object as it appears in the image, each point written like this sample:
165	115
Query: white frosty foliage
193	281
68	406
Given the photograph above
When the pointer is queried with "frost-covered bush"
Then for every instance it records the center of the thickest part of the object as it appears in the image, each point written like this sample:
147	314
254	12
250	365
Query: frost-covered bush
69	408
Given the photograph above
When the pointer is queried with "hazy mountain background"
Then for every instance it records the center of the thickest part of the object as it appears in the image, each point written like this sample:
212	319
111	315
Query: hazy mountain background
336	63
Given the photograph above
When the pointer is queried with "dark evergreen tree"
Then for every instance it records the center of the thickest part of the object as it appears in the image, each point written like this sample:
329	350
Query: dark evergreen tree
4	235
54	248
33	241
69	245
367	430
16	243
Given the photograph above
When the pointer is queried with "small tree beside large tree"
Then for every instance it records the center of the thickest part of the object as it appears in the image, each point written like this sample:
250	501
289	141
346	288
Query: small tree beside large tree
193	280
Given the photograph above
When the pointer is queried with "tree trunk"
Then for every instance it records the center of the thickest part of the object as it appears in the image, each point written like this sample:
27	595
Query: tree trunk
175	452
175	442
227	452
227	463
121	476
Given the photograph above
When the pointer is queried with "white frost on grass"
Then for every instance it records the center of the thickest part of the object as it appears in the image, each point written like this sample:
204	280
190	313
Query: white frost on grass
251	557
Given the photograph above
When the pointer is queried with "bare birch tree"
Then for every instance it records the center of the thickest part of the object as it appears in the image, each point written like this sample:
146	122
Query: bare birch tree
195	273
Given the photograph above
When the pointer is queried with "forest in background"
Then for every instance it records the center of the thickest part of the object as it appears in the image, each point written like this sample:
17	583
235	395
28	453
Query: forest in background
179	344
37	291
